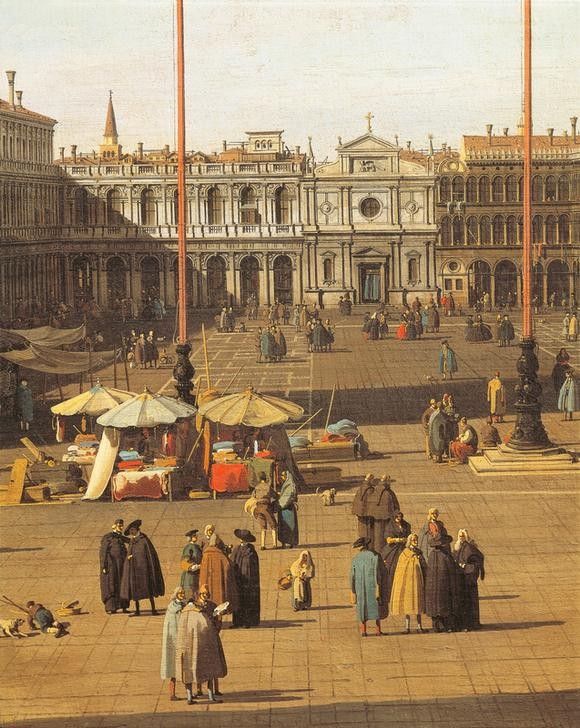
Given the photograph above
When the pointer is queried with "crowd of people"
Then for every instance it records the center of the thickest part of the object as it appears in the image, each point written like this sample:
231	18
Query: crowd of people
400	572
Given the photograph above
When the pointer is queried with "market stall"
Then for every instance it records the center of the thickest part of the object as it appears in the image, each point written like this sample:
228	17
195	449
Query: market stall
252	439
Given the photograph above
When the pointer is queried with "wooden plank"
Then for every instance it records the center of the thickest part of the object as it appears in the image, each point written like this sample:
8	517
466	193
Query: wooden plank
16	484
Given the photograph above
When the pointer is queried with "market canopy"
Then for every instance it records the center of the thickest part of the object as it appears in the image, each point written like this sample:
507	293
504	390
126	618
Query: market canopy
43	336
146	410
57	361
250	408
93	402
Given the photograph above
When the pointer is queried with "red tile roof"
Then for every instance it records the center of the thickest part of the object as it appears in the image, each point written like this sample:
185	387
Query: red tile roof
32	115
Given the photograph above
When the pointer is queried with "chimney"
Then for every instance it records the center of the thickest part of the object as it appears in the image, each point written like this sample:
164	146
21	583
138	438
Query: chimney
506	130
19	99
139	150
565	133
431	150
409	146
489	128
573	122
11	75
61	150
224	145
397	139
550	131
444	146
297	150
166	149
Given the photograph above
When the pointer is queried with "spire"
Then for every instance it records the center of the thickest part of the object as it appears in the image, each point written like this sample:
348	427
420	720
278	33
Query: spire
110	136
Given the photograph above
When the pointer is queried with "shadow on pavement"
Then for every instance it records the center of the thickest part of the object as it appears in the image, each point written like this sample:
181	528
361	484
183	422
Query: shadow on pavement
8	550
497	597
505	626
518	710
282	623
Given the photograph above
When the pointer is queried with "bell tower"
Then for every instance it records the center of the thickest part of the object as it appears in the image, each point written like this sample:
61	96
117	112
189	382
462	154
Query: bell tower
110	148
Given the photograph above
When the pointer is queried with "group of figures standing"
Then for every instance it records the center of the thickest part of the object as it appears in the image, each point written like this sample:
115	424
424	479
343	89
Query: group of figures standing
142	350
400	573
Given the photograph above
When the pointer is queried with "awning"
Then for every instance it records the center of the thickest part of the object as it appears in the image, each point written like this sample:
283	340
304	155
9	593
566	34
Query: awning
56	361
43	336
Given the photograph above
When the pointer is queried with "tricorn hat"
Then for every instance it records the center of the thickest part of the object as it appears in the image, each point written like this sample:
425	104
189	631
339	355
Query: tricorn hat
134	524
191	533
361	542
244	535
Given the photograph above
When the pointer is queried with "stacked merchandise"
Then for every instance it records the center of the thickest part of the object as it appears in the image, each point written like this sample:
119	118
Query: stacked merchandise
129	460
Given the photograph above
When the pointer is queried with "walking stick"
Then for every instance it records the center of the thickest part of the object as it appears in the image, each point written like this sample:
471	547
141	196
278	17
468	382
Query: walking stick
126	368
305	423
330	407
18	606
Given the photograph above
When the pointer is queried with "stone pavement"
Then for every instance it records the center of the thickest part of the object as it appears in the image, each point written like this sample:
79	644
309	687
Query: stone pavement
312	668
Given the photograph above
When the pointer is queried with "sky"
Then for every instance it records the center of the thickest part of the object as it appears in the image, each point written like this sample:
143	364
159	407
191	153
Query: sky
440	67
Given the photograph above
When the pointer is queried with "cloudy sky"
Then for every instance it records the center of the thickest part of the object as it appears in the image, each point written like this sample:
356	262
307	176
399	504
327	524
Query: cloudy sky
445	67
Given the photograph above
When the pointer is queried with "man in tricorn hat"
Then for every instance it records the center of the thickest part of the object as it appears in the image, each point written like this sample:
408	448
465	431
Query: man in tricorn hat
142	577
190	564
366	522
366	577
247	573
112	555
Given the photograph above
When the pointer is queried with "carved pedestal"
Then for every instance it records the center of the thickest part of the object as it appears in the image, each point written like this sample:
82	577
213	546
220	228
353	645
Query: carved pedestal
183	373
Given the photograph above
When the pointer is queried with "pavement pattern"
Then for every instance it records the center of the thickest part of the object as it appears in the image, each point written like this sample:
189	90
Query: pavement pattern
312	668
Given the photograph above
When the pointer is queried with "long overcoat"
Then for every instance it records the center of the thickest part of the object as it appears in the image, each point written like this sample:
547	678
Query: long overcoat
170	638
247	573
442	586
364	582
216	571
142	577
408	588
199	655
112	555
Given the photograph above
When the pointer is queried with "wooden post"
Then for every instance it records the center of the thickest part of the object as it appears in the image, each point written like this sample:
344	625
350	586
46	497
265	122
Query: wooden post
115	369
305	423
330	407
126	368
80	383
205	356
181	191
91	364
60	394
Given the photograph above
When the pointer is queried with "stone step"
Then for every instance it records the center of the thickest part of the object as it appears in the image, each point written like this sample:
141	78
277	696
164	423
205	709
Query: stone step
505	461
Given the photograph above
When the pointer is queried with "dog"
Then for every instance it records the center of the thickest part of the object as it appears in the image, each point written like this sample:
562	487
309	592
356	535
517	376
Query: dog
328	496
11	628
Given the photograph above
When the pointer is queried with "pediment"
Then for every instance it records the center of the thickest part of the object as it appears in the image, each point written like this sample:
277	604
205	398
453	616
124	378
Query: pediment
368	253
368	143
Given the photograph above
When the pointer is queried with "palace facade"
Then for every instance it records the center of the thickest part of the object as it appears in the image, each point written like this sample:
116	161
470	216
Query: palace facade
378	223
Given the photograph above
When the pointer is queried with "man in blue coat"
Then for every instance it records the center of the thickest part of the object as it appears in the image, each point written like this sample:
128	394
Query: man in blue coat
366	584
447	360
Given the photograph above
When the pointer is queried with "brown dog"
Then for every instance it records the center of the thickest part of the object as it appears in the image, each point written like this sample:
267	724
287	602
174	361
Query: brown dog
328	496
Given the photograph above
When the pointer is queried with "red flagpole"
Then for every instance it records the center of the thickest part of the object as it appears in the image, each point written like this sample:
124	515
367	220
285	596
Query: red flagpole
181	191
527	330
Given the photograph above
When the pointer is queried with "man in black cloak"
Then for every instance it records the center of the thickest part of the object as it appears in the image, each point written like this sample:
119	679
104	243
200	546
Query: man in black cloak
142	577
381	504
360	508
112	555
471	562
246	565
442	586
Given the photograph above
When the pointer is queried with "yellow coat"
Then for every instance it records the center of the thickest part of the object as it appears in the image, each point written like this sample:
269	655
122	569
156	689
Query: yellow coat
408	590
496	397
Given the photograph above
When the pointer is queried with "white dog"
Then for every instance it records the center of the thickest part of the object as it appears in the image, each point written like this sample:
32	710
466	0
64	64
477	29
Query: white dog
11	628
327	496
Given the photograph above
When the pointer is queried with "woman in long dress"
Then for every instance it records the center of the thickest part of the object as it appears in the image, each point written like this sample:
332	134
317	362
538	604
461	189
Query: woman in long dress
302	571
168	671
408	589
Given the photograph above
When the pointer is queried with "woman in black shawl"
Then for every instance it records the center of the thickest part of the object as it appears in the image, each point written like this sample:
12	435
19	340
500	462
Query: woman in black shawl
442	586
396	532
246	566
471	562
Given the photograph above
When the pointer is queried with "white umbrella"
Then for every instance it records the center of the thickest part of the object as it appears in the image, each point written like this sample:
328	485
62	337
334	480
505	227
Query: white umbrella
93	402
146	410
250	408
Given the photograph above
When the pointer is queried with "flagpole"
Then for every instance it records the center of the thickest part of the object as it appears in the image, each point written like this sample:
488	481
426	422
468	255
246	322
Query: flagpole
183	371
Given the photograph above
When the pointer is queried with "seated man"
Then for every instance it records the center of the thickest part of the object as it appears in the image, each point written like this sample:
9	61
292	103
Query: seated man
39	617
490	437
466	444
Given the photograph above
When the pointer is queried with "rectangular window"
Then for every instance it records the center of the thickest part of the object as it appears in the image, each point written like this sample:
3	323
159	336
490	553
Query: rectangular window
459	284
448	284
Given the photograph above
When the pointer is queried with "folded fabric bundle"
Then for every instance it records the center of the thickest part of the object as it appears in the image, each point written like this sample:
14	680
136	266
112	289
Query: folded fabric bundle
130	464
88	443
344	427
299	441
73	448
129	455
226	445
329	437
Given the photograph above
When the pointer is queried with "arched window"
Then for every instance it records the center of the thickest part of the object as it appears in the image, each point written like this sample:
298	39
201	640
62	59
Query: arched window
484	189
114	207
328	269
564	229
511	188
215	213
148	207
497	189
511	230
485	230
537	189
471	190
472	236
550	192
551	230
282	206
458	231
520	189
520	229
256	144
269	145
537	230
563	188
444	190
248	206
498	236
458	189
445	231
175	207
81	206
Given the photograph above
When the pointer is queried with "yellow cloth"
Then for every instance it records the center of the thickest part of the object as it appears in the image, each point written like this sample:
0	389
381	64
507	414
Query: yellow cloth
496	397
408	591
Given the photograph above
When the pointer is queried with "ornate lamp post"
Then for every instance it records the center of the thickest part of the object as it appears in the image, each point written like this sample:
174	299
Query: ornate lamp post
529	432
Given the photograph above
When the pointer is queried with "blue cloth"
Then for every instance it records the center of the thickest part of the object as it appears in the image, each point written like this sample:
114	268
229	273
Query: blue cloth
288	520
448	358
364	582
567	396
43	618
299	441
24	403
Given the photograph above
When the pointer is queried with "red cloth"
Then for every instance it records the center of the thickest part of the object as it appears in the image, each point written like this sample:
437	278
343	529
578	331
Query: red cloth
402	332
329	437
130	464
461	451
263	454
229	478
138	485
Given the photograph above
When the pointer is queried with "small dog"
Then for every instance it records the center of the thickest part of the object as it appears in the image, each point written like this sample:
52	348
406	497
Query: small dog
11	628
328	496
